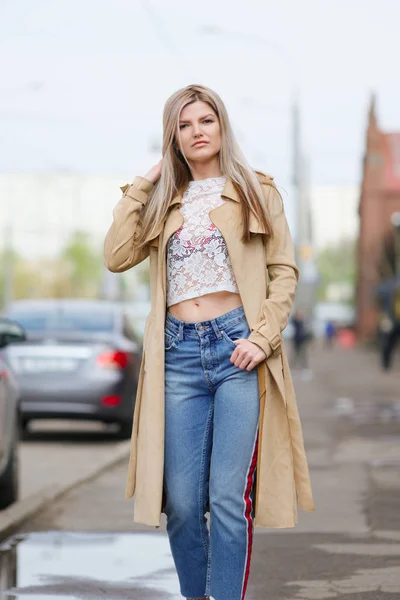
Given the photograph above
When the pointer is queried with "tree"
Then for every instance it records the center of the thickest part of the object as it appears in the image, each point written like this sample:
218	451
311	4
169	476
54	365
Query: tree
26	277
76	272
337	265
84	265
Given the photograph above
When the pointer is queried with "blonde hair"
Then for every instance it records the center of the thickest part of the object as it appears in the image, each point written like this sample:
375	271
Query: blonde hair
176	174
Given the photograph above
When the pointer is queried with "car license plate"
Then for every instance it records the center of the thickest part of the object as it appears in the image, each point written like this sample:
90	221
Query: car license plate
46	365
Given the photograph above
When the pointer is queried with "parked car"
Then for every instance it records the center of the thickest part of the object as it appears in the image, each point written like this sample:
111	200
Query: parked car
81	360
9	417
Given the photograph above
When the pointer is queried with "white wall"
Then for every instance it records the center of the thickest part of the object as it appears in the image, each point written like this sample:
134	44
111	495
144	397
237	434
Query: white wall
45	208
334	213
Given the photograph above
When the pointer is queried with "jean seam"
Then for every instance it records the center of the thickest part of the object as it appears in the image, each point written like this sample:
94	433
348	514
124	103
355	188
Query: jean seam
249	539
172	333
203	530
208	576
204	367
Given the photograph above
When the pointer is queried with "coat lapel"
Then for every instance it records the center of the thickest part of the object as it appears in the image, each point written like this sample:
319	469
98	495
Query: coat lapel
228	219
224	216
173	222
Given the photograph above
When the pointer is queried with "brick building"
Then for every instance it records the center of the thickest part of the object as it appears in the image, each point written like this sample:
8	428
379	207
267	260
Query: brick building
379	199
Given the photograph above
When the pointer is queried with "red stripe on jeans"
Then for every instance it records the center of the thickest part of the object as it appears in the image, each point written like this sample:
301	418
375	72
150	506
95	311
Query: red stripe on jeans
247	514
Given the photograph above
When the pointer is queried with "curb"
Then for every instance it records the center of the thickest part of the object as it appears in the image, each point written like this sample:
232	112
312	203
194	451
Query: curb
15	515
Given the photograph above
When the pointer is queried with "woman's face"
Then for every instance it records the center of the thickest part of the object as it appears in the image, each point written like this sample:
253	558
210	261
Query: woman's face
200	132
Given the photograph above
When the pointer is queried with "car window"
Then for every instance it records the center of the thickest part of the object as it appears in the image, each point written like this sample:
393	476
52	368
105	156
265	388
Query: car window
64	319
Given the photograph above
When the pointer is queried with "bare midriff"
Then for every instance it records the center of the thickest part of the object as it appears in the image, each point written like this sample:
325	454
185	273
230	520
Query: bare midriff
205	308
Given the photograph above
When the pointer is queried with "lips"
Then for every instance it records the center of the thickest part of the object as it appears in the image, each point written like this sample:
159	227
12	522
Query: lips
200	144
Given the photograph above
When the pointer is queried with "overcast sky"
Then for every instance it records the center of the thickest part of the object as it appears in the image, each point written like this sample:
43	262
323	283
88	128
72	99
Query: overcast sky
84	81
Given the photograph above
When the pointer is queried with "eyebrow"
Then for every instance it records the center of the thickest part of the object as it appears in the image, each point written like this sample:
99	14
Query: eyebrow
201	118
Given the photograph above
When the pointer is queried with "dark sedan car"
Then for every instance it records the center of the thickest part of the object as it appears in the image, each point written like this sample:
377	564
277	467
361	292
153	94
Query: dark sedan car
81	360
9	417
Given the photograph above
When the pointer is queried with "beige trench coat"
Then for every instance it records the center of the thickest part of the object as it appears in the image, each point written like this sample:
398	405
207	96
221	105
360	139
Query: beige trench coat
266	275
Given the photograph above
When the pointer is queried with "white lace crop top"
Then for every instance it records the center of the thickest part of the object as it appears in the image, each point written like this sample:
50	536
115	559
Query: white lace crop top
197	257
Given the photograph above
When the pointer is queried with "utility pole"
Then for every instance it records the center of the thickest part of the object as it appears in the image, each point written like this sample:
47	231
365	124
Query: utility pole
296	170
306	290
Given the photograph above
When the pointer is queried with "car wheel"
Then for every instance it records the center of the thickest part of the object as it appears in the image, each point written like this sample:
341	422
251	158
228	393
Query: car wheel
24	427
125	430
9	481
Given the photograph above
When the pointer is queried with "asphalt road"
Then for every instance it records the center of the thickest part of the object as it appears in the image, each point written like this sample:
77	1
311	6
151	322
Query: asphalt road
58	451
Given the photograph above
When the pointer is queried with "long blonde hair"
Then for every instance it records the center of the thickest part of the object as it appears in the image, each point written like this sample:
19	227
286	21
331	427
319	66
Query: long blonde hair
175	171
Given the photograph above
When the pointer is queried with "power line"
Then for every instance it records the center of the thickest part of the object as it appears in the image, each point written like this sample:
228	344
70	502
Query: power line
165	38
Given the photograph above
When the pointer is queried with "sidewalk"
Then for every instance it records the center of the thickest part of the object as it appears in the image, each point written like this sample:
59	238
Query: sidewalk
53	464
351	420
356	373
350	547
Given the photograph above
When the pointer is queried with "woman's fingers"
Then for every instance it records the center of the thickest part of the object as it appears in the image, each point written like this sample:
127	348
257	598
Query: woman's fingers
247	355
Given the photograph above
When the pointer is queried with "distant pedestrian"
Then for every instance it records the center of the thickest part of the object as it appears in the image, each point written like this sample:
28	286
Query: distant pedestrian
300	340
388	294
213	360
330	333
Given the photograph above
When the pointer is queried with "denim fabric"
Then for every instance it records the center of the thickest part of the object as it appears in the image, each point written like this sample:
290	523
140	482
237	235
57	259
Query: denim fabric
211	422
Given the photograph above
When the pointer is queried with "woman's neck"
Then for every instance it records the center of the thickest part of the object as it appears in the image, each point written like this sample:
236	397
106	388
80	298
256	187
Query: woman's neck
205	171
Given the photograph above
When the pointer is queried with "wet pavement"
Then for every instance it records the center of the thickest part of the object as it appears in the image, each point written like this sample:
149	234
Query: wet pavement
116	566
67	565
86	545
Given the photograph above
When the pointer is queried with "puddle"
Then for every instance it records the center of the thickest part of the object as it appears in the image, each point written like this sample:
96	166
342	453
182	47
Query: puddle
65	566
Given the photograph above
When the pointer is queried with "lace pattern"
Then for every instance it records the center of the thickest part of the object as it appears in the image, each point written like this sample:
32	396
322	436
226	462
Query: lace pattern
197	258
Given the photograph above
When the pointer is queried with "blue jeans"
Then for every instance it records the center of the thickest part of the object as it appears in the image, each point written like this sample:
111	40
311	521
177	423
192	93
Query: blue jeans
211	428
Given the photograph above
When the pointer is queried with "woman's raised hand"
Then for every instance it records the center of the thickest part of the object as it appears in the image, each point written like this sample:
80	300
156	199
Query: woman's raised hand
154	173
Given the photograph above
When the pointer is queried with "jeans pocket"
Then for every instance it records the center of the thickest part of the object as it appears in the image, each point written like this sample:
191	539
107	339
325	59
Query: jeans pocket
170	340
236	332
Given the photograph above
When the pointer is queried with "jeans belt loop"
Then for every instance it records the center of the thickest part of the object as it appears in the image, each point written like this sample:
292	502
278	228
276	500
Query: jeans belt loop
216	329
180	333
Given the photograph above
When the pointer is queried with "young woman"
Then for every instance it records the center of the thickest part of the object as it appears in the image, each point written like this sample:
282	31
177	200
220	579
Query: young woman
215	398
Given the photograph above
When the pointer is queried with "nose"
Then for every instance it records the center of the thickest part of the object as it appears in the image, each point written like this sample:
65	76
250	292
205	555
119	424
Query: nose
197	130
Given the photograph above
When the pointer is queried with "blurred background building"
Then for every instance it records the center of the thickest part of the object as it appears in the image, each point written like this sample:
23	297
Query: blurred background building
379	201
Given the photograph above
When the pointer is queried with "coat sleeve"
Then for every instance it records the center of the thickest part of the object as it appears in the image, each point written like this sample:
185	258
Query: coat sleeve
120	253
283	277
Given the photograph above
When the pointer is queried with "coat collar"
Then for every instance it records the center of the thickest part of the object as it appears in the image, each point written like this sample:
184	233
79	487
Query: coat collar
229	192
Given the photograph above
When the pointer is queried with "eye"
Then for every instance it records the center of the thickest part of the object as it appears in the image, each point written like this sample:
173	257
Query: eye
208	121
182	126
